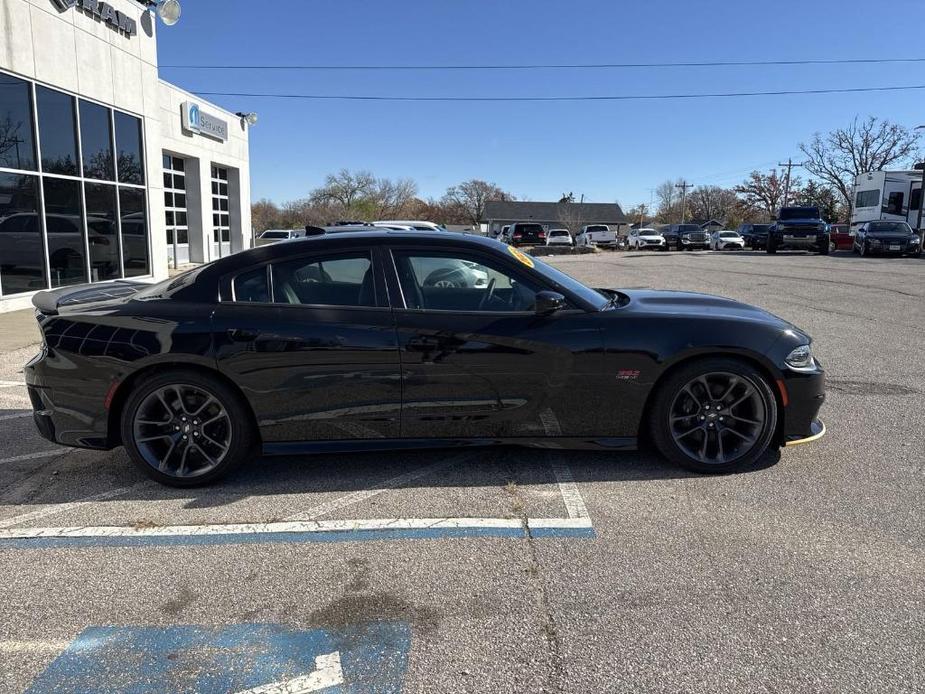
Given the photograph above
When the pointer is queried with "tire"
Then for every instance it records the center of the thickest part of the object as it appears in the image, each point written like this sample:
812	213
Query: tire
825	249
446	278
761	408
235	428
680	246
771	248
863	251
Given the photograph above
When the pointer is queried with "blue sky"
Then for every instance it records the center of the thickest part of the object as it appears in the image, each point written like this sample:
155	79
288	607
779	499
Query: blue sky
604	150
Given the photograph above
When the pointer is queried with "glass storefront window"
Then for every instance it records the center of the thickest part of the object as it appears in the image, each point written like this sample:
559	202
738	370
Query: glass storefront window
22	252
82	236
17	147
57	131
134	232
128	145
102	228
96	140
64	226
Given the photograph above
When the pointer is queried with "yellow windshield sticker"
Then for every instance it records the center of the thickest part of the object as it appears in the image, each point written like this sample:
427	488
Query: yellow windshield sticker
521	256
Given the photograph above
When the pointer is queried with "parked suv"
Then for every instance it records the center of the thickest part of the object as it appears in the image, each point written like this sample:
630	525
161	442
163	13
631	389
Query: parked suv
683	237
596	235
799	229
527	234
646	238
754	235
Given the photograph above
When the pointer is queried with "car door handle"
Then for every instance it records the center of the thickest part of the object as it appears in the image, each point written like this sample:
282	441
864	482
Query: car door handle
243	335
423	344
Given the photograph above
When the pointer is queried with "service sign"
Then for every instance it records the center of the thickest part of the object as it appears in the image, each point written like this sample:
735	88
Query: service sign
102	11
195	120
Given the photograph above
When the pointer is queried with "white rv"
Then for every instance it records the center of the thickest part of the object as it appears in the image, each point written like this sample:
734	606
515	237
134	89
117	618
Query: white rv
887	195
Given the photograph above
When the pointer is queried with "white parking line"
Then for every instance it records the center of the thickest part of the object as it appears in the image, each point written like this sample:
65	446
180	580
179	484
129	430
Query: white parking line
574	503
18	415
238	529
35	646
12	384
327	507
33	456
61	508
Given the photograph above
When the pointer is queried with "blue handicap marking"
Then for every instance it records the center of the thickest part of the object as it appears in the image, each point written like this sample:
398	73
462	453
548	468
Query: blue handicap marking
239	659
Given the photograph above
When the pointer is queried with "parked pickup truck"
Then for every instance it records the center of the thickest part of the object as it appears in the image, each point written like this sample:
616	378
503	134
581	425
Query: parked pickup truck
799	229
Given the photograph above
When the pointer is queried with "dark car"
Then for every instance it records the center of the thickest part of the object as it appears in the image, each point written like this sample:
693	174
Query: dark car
887	238
755	235
527	234
799	229
686	237
336	342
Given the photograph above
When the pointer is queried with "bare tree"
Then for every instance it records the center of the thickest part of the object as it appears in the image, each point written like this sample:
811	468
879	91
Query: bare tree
765	192
469	198
346	189
668	201
711	202
571	214
390	198
839	157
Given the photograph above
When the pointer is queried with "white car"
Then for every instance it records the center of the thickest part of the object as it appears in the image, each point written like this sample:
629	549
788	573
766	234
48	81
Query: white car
726	240
596	235
558	237
417	225
277	235
642	239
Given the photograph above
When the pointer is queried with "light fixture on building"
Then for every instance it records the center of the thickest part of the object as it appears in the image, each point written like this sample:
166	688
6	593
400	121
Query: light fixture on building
249	118
167	10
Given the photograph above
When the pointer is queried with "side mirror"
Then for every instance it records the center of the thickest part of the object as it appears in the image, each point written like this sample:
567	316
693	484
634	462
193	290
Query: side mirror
549	302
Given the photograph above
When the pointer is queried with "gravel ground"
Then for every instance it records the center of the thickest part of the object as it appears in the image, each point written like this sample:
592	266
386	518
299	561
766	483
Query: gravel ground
802	575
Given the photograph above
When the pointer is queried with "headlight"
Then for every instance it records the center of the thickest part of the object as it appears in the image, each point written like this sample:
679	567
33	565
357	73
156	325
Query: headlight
821	227
801	358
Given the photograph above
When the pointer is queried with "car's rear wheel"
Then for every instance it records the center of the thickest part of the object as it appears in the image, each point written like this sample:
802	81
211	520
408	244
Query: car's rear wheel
714	415
183	428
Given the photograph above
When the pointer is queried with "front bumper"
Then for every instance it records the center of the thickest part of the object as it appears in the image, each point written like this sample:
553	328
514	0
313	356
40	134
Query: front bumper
801	242
817	432
803	394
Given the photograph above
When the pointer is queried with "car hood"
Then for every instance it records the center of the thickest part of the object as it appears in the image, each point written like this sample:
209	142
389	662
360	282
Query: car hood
694	304
651	237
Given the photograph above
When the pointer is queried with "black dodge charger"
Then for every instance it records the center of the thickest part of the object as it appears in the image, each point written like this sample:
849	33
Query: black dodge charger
340	342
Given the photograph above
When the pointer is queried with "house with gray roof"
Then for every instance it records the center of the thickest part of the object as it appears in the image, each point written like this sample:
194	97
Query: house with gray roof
553	215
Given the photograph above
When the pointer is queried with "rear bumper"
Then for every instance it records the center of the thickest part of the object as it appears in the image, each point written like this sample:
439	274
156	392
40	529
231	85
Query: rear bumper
68	413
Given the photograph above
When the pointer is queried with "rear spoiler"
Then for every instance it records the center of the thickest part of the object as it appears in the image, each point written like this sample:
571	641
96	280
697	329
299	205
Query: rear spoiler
49	302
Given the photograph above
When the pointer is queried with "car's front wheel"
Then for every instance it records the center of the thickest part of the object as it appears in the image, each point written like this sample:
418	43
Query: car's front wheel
184	428
714	415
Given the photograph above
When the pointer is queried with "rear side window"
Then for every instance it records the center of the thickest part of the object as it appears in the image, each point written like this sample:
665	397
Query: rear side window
343	280
252	286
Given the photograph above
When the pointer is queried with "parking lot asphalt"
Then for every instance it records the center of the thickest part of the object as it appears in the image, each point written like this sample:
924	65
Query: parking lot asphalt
556	571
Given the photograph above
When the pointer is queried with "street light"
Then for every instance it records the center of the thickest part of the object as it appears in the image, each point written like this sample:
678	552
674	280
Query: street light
167	10
249	118
921	165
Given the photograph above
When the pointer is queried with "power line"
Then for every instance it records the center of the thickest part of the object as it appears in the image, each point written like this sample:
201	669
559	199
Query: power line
563	66
615	97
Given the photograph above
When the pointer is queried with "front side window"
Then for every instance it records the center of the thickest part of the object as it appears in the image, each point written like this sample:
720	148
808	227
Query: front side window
451	282
17	149
342	280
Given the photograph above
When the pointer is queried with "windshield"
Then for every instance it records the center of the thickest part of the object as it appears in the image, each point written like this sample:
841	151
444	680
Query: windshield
570	284
275	235
761	228
729	234
799	213
889	228
689	227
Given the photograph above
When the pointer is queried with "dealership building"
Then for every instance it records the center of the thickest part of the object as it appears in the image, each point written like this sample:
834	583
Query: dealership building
106	171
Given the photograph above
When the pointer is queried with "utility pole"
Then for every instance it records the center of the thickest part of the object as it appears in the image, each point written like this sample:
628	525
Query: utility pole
789	166
683	186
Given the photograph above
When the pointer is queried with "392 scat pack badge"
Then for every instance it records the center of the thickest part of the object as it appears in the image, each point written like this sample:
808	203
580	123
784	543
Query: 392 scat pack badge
714	391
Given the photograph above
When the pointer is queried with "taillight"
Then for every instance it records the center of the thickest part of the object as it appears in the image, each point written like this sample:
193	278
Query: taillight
542	234
518	236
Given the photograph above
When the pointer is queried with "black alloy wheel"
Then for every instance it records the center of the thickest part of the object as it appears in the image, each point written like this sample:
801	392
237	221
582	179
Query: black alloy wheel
714	415
185	429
